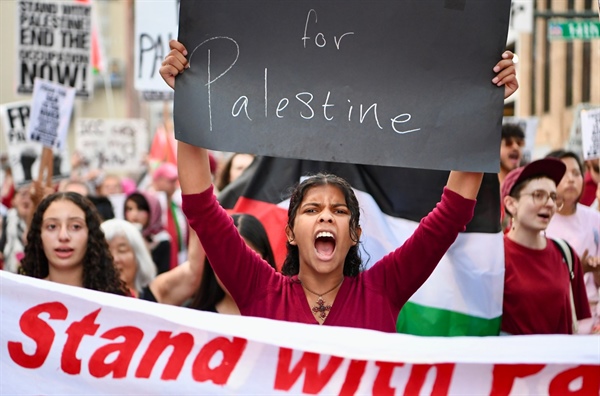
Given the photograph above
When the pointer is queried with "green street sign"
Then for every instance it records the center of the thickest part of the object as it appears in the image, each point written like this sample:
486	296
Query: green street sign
583	29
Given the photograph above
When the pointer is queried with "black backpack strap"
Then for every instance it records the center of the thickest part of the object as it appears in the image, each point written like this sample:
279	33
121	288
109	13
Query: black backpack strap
3	234
567	254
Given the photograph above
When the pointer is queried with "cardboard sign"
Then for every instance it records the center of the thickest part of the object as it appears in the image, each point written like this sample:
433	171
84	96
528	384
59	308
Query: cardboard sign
529	125
50	113
395	83
152	45
54	43
75	341
24	156
590	133
113	145
15	118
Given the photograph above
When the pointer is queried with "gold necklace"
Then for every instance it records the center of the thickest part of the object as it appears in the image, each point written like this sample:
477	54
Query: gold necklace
320	308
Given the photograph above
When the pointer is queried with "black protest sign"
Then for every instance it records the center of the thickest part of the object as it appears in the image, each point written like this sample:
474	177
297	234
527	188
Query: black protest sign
54	43
398	83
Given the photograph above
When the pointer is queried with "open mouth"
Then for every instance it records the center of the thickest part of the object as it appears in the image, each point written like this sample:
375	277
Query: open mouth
545	216
325	244
64	252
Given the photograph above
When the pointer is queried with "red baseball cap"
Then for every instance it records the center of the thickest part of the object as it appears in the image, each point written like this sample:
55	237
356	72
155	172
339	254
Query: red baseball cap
551	168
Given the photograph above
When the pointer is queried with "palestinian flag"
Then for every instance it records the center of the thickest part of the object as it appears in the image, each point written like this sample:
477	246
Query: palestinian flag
464	294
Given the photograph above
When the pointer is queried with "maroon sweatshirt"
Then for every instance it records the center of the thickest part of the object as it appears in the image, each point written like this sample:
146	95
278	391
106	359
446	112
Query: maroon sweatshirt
371	300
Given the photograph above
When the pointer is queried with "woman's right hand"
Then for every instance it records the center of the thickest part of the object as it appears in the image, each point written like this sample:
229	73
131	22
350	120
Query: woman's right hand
174	64
192	162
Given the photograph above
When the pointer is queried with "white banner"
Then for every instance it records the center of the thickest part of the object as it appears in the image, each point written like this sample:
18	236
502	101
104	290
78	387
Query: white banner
59	339
54	43
152	43
114	145
590	133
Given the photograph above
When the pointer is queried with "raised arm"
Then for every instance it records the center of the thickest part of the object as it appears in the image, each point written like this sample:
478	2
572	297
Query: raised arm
192	162
193	167
176	286
467	184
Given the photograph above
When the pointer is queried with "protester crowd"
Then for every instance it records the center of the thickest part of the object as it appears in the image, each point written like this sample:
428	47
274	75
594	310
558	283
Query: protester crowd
163	237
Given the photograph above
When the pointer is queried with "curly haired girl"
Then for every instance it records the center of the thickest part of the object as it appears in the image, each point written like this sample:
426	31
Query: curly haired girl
65	244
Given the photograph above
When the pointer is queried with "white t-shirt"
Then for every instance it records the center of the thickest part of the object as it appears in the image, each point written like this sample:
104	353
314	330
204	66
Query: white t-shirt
582	231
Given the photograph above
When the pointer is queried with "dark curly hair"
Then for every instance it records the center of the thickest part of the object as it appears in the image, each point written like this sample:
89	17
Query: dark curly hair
353	263
99	272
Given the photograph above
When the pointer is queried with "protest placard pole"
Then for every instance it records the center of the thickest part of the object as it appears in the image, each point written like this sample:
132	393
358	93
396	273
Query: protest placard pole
45	172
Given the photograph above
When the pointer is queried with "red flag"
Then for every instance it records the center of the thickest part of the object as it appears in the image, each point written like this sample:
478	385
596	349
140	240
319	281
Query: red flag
97	58
163	148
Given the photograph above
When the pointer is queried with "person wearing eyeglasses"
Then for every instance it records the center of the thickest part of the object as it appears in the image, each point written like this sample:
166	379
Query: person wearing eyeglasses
537	283
579	225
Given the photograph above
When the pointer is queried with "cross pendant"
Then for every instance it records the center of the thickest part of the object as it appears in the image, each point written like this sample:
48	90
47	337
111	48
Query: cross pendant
321	309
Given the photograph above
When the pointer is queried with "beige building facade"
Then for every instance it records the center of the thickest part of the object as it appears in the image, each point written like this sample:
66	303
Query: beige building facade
557	76
114	95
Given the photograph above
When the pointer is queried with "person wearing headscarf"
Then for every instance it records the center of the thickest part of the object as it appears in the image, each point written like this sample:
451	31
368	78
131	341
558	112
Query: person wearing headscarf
144	209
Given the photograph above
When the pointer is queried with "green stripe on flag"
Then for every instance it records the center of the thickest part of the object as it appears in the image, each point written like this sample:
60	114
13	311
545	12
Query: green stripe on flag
426	321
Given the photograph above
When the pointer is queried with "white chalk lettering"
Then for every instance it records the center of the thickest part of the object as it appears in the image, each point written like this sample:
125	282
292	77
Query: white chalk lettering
397	120
306	103
209	80
283	103
320	40
240	104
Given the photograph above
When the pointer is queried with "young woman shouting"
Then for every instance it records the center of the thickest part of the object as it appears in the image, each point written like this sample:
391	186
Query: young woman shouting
322	281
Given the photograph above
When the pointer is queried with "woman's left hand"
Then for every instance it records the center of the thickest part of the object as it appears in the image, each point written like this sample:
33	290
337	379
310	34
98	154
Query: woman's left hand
506	74
590	263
